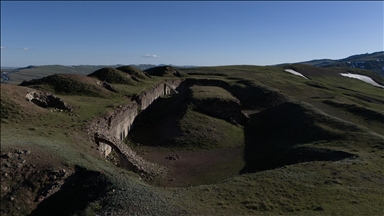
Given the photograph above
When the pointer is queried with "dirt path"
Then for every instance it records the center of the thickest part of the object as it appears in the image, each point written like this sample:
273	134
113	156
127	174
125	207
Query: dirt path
191	168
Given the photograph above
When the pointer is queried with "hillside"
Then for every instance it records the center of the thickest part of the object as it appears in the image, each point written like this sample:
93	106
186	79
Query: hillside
18	75
369	61
226	140
163	71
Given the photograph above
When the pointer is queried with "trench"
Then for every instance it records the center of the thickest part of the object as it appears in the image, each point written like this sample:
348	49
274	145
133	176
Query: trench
272	138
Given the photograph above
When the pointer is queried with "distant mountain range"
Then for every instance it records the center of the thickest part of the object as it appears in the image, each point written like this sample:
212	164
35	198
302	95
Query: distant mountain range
369	61
373	61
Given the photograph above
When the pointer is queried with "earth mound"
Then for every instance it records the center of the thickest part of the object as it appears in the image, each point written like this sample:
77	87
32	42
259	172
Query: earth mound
112	75
68	84
219	103
163	71
254	95
275	136
134	72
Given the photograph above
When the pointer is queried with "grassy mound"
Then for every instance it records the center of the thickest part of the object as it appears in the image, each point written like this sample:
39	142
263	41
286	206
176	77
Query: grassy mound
211	92
67	84
217	102
164	71
254	95
112	75
366	113
273	137
133	71
206	132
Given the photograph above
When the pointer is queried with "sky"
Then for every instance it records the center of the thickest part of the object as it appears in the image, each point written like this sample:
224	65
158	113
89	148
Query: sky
196	33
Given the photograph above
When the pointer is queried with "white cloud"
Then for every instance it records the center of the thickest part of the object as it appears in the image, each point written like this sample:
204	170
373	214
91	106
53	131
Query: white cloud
150	56
24	48
2	47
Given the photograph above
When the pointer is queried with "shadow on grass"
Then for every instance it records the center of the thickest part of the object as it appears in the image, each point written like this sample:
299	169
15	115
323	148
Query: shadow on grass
273	135
78	190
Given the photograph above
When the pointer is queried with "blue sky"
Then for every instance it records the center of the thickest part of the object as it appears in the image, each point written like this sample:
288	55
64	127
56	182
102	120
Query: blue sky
187	32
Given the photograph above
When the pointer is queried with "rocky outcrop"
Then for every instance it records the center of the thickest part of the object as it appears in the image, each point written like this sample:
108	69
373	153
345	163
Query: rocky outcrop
107	86
47	100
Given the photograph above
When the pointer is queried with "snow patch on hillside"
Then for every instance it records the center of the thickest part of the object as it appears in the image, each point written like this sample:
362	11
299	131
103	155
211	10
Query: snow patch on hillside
362	78
295	73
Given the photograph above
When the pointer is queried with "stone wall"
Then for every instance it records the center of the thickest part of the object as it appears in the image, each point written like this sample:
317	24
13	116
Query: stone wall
117	123
128	158
120	121
145	99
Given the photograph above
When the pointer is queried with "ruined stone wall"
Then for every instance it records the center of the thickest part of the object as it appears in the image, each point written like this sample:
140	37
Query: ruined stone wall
128	158
120	121
145	99
117	123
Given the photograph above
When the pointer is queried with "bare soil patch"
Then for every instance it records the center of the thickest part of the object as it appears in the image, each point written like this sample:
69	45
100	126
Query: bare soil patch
191	168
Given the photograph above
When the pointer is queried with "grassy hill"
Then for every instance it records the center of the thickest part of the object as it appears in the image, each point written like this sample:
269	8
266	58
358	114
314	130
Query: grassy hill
138	74
71	84
112	75
163	71
310	146
18	75
370	61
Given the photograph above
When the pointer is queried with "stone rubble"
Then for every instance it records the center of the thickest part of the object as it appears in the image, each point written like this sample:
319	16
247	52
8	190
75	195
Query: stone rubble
46	100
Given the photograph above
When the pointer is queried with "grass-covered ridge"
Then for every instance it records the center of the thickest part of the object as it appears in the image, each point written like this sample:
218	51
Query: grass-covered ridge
133	72
70	84
210	92
112	75
164	71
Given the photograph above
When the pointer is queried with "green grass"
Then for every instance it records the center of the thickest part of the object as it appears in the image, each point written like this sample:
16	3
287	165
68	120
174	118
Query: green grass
205	132
211	92
10	111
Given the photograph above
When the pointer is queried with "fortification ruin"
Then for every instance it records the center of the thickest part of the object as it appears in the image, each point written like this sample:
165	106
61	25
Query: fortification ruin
109	132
